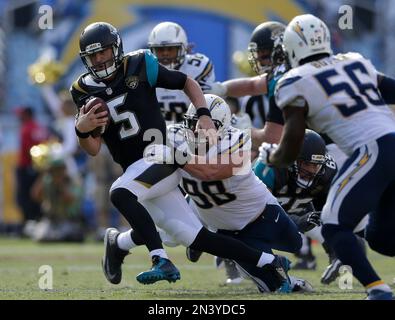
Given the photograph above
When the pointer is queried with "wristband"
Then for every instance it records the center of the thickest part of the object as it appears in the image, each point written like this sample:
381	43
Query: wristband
202	111
82	135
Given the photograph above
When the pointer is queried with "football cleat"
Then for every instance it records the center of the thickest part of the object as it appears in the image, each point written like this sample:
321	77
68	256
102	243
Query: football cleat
377	294
162	269
193	255
281	266
113	257
331	272
232	273
300	285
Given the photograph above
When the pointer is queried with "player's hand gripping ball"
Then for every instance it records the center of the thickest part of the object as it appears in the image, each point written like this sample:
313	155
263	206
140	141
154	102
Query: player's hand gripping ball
98	131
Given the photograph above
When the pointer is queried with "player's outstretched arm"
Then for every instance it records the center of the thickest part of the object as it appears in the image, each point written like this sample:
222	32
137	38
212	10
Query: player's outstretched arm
291	139
246	86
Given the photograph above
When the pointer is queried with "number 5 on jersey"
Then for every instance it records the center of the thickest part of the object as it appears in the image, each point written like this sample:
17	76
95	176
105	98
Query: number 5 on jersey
130	126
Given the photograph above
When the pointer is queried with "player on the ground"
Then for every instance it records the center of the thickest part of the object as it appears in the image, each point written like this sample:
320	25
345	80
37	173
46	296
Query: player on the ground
302	189
169	43
344	97
147	192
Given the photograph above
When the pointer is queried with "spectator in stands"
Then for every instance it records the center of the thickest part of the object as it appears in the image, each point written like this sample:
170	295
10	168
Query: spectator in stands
30	134
61	197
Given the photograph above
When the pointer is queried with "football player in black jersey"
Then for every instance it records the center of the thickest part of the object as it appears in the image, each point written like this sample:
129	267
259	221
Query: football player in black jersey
302	188
127	83
269	65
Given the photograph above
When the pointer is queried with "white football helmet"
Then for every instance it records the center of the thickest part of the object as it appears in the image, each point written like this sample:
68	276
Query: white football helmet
220	114
305	36
169	34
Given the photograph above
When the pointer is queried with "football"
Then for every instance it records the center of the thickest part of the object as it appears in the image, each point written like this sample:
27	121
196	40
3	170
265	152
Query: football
97	132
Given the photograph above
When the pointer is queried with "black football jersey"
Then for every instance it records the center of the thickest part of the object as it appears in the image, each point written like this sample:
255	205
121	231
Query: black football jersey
293	198
132	102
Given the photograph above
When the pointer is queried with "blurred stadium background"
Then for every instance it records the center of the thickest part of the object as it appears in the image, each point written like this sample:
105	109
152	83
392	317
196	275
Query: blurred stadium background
37	65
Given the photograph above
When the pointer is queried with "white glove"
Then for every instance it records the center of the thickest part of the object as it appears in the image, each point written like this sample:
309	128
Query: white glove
216	88
265	150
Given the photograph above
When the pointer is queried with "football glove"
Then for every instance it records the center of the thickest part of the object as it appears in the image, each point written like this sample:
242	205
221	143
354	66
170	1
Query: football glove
307	221
265	150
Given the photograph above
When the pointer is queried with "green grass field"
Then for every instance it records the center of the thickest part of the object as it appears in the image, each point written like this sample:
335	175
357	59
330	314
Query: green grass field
77	275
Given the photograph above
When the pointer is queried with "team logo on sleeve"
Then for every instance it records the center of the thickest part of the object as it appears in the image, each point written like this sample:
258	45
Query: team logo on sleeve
132	82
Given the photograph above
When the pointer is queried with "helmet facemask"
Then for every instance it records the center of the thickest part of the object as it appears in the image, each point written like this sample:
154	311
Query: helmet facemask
195	139
110	66
171	62
307	171
255	55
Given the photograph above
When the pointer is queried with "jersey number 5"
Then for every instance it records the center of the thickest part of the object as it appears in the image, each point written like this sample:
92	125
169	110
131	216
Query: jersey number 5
130	126
368	90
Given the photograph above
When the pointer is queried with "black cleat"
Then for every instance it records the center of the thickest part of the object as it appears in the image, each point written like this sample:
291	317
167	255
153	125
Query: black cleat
331	272
278	270
162	269
113	257
193	255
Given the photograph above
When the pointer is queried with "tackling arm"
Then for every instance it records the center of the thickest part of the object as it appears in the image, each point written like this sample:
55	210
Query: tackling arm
246	86
291	139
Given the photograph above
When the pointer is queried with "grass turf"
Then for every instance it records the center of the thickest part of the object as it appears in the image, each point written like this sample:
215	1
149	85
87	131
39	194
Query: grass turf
77	274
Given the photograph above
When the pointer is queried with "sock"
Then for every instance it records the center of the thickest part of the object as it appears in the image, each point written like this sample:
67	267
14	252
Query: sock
125	242
137	216
378	285
265	258
158	252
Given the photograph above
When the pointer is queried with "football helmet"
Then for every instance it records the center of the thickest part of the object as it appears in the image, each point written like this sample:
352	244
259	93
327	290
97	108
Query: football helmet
305	36
97	37
220	114
261	45
169	34
311	160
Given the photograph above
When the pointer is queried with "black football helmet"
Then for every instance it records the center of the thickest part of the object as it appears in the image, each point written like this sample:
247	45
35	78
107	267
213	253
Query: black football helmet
311	160
97	37
263	39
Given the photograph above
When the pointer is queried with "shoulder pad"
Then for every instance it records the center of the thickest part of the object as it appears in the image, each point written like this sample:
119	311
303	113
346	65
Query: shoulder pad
349	55
199	66
132	63
84	87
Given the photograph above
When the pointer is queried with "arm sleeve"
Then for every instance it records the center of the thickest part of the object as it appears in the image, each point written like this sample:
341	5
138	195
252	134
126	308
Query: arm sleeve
170	79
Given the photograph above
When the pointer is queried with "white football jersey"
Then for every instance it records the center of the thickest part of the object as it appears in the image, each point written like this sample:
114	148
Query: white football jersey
342	97
174	103
231	203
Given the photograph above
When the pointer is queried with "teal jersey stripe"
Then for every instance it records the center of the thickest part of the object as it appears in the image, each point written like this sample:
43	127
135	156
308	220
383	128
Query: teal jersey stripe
152	67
